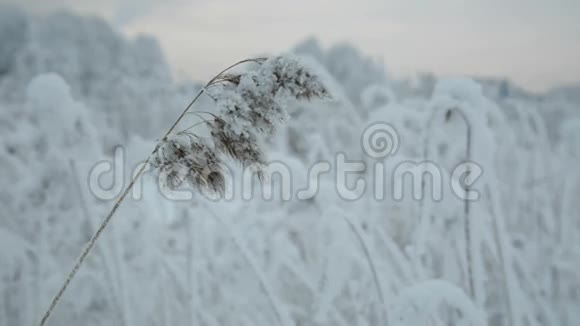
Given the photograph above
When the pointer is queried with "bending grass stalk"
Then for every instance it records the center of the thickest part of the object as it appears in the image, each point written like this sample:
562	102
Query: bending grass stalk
370	260
109	273
91	243
282	317
466	202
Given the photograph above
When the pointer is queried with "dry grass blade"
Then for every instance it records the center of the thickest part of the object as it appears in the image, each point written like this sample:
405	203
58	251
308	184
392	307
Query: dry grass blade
91	243
197	161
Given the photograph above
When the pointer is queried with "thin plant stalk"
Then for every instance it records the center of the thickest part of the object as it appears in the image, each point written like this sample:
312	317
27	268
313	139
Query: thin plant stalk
366	249
281	314
466	201
108	269
91	243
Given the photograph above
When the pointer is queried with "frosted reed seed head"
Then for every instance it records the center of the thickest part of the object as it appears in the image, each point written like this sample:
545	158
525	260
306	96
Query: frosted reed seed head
257	97
293	79
189	159
241	145
249	108
251	104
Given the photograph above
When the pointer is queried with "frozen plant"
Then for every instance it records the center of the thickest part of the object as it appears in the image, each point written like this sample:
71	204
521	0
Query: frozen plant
251	105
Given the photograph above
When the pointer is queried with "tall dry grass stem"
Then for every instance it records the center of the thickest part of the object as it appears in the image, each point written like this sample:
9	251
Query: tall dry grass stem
252	103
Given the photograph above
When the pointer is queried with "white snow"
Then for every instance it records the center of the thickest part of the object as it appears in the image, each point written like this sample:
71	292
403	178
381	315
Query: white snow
72	89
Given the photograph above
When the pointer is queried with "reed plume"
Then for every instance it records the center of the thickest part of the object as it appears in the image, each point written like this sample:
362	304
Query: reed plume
251	105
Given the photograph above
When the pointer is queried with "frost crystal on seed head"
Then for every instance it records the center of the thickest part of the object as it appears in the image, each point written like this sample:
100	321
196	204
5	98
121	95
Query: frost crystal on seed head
242	146
251	105
293	79
188	159
257	97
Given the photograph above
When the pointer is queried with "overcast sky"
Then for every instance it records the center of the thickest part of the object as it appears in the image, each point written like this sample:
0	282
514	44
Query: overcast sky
534	42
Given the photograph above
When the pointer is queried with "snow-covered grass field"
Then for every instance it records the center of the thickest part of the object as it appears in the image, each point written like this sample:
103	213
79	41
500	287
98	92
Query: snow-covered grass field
72	90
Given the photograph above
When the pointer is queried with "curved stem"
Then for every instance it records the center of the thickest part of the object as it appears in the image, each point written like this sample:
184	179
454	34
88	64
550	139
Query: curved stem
366	249
281	316
466	201
91	243
194	125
